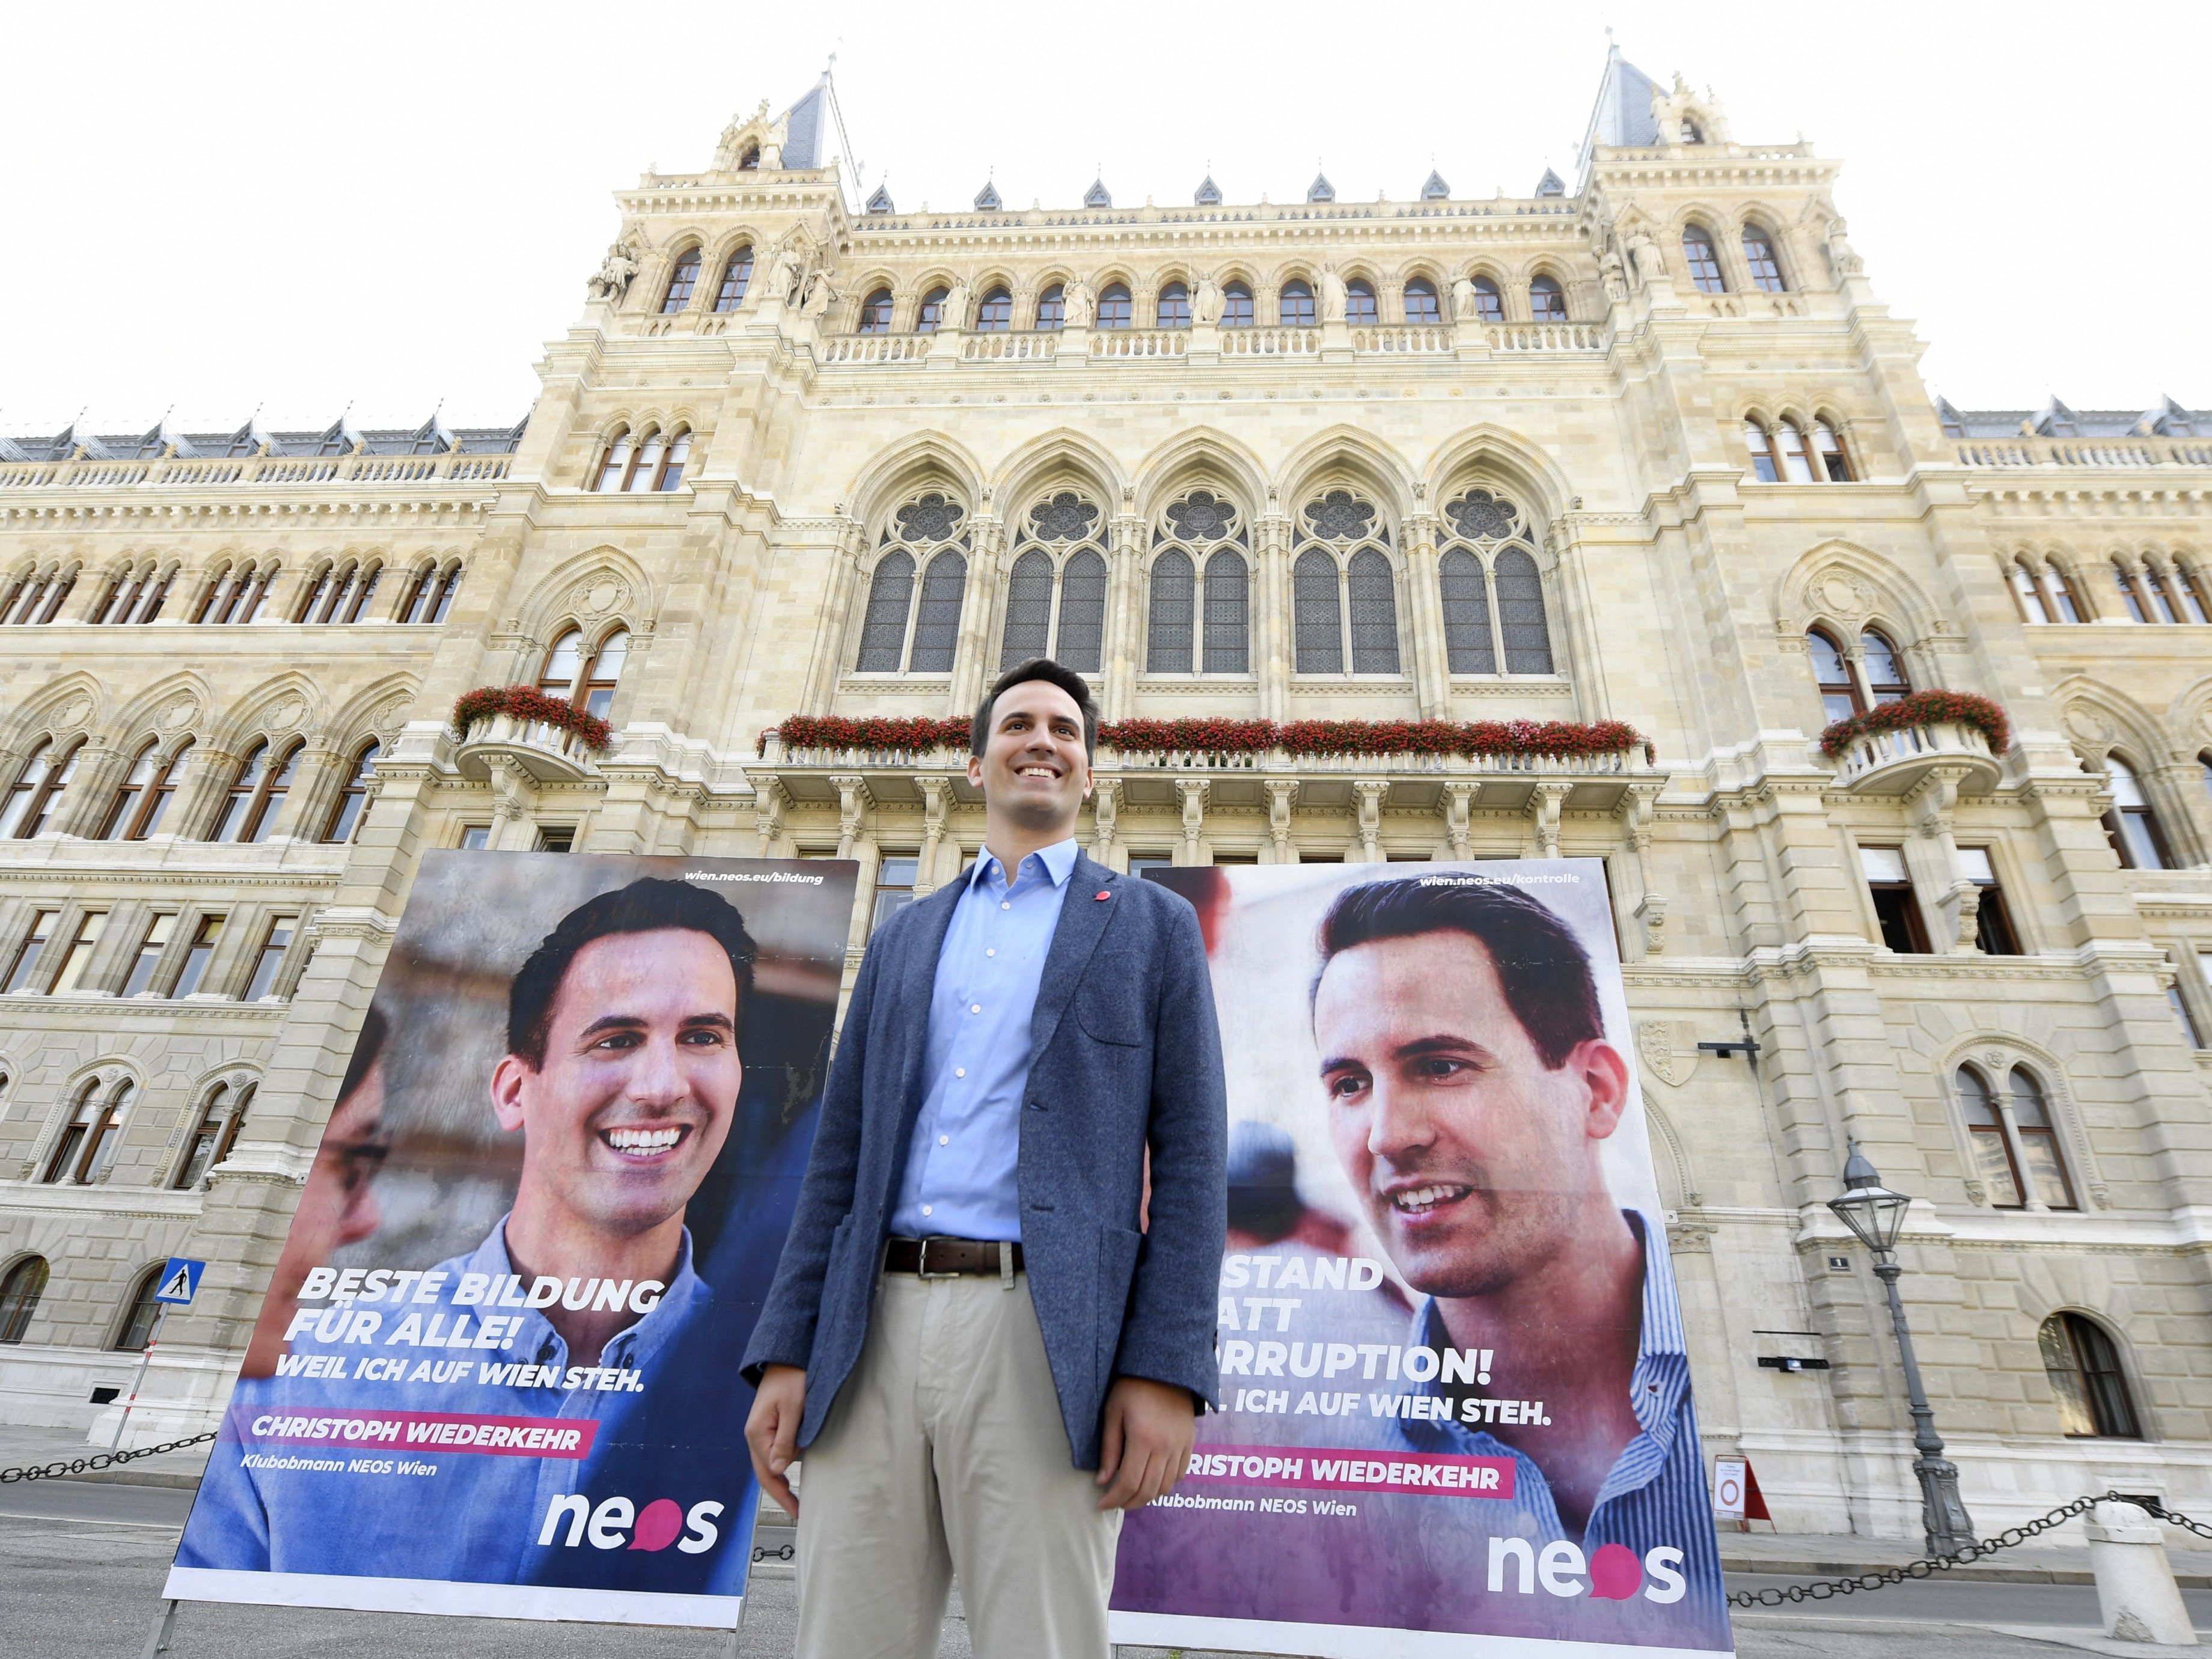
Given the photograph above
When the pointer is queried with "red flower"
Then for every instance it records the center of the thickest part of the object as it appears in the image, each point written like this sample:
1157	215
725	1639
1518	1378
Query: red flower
1922	709
527	703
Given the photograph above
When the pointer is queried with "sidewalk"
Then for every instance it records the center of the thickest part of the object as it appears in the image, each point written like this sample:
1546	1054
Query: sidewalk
2041	1561
20	1446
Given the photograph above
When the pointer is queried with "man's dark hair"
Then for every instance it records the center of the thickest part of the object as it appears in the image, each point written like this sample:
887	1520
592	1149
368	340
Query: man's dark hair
1543	967
367	1049
1045	669
644	906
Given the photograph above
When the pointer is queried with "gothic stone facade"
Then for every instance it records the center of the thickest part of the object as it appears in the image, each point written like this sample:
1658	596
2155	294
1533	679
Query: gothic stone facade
1437	457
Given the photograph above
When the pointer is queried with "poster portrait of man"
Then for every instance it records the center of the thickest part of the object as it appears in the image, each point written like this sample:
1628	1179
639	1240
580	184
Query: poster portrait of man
1456	1391
595	1077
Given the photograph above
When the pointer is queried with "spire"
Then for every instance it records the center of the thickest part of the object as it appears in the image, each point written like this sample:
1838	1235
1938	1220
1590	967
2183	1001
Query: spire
1096	195
987	199
880	202
1320	190
803	125
1208	193
1435	189
1622	116
1551	184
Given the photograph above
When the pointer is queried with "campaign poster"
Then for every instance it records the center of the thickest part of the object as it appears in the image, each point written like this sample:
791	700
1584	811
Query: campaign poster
496	1371
1456	1398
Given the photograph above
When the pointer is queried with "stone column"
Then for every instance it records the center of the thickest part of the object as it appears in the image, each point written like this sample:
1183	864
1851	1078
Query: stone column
1576	649
1106	814
936	799
974	662
1125	629
1544	810
1457	803
1282	796
771	801
1274	587
853	803
99	774
1190	795
1933	808
1640	808
822	671
1369	793
1424	604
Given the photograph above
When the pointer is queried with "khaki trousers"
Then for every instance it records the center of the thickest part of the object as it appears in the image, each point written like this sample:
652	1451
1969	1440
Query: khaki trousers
946	1453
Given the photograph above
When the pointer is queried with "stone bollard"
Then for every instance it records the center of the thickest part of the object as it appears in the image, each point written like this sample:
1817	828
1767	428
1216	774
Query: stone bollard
2135	1591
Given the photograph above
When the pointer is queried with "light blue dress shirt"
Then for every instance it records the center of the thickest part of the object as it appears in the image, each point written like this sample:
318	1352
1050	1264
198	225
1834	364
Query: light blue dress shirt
960	1180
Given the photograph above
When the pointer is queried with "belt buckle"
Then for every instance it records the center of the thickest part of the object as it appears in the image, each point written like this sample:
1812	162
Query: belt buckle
921	1265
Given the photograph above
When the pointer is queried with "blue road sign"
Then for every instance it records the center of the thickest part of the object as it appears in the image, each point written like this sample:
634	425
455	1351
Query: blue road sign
180	1280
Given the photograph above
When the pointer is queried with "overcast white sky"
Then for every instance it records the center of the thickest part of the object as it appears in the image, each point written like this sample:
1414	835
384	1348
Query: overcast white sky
300	207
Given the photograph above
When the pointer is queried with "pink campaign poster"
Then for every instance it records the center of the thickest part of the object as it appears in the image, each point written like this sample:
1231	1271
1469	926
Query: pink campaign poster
496	1371
1455	1396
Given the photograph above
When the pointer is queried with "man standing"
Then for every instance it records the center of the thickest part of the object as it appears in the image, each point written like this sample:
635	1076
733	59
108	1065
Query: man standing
979	1304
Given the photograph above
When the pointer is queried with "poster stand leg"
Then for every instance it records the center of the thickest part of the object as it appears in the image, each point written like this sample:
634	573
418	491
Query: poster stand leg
157	1639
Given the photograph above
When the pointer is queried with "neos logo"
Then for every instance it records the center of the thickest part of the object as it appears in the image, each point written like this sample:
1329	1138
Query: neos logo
617	1523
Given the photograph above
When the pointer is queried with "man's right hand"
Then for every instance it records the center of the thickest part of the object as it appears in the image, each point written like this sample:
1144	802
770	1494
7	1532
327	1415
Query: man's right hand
772	1429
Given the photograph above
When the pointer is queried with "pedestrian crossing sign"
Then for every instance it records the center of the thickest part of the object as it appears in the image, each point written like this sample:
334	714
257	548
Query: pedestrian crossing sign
180	1279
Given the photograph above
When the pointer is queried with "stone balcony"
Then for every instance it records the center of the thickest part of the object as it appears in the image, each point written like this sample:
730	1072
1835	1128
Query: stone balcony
1895	762
545	752
247	471
1254	345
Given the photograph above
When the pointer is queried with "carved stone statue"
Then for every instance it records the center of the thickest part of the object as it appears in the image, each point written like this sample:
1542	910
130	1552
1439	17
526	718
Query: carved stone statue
952	311
1206	303
612	279
1616	281
1465	307
1843	259
1081	304
1332	295
785	274
1645	252
820	296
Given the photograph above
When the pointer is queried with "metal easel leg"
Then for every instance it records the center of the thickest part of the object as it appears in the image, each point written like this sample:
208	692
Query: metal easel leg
157	1639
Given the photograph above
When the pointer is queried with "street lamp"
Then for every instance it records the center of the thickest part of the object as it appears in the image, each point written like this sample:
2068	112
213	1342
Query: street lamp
1876	1216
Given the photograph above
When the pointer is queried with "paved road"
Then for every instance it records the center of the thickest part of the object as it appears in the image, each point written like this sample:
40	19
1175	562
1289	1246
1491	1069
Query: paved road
82	1564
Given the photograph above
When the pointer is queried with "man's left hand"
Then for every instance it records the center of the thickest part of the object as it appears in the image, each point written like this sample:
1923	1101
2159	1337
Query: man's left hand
1149	1429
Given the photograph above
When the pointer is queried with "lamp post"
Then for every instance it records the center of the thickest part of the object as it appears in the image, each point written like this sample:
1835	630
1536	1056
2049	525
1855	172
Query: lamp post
1876	1216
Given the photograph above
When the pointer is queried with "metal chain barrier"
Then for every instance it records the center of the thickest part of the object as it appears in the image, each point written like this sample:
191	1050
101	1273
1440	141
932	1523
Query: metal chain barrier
763	1552
102	1461
1827	1589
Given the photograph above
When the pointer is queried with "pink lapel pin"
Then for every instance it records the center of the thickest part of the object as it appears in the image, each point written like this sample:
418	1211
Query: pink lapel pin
1103	895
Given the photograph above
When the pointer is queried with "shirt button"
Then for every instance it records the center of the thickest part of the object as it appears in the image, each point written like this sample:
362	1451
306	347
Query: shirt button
944	1140
975	1007
988	951
1006	904
928	1209
960	1071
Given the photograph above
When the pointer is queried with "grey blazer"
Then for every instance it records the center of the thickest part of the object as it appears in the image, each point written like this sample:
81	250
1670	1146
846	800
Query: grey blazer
1126	1055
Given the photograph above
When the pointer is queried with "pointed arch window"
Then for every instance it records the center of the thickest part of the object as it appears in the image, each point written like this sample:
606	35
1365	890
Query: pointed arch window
584	679
1762	453
2038	1142
1702	261
2160	598
1548	301
1839	687
614	466
737	277
996	314
1056	596
1985	1134
1835	461
1491	589
1198	616
1235	306
2192	597
2058	590
1691	133
2135	612
932	317
2024	592
353	794
681	281
1886	680
1294	305
672	461
1052	306
1489	303
1173	307
19	1296
38	789
2084	1365
87	1141
645	465
432	595
876	313
2132	825
143	795
1759	256
1345	546
1114	307
1421	305
1790	444
37	600
898	634
257	793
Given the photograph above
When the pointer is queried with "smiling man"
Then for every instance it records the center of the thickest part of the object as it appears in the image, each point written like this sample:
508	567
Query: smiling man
984	1341
1470	1088
622	1078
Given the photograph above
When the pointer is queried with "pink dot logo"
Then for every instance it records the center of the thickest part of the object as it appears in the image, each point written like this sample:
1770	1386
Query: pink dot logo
659	1522
1615	1573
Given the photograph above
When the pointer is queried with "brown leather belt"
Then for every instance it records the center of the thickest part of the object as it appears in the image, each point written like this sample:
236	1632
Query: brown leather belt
945	1258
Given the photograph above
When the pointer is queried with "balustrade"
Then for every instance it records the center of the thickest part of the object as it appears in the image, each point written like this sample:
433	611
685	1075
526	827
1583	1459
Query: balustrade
1423	337
1270	342
1009	348
191	471
1546	336
1138	342
2086	452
